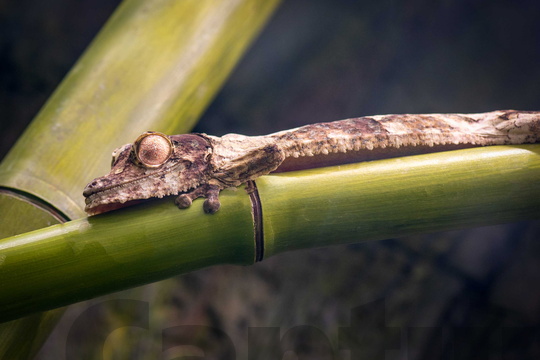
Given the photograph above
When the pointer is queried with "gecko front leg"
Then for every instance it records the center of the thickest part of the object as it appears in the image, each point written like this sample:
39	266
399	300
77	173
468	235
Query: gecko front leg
232	164
210	192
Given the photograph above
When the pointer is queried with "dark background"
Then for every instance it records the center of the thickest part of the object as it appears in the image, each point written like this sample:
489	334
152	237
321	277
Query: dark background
471	294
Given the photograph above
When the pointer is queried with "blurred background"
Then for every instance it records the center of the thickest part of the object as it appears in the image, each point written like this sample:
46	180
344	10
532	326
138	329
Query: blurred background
469	294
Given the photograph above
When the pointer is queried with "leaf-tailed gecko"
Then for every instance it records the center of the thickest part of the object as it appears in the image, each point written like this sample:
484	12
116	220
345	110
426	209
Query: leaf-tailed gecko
200	165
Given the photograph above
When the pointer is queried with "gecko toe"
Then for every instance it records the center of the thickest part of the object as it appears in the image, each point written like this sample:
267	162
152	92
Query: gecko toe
211	205
183	201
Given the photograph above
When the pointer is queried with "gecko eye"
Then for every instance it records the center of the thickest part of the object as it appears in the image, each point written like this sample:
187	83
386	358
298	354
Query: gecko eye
153	149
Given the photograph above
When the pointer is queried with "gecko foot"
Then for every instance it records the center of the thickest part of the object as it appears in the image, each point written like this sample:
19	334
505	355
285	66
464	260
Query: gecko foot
210	192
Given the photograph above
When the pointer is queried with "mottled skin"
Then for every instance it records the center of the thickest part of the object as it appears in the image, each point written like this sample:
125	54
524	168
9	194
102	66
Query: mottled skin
200	165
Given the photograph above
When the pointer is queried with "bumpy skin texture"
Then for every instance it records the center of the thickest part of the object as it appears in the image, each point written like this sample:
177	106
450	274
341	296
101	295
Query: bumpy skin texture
201	165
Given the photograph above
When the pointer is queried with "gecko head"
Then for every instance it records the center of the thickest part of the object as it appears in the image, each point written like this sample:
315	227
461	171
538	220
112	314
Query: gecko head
155	165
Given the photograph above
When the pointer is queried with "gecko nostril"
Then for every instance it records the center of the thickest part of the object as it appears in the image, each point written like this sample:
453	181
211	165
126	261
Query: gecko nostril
90	188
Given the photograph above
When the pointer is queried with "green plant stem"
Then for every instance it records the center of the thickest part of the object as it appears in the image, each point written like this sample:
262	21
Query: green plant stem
401	196
327	206
92	256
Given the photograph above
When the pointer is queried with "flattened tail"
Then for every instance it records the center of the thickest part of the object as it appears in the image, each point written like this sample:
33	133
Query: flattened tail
386	136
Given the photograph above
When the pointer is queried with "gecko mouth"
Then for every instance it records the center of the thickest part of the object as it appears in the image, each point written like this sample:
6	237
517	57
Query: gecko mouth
104	185
127	194
107	200
95	187
118	197
104	200
103	208
104	194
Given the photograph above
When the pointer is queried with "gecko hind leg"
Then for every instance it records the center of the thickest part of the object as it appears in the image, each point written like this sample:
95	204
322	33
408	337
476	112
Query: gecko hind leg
210	192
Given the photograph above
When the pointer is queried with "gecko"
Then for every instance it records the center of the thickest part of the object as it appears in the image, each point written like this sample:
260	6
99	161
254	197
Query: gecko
200	165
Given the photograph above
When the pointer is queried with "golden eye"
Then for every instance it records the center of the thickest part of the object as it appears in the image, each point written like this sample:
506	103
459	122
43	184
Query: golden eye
153	149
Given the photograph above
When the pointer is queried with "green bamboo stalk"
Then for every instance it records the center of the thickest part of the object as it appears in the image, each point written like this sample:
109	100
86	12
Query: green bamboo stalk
320	207
401	196
155	65
88	257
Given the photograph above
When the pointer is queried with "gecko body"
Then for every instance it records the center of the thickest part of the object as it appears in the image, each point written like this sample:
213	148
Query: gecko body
200	165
